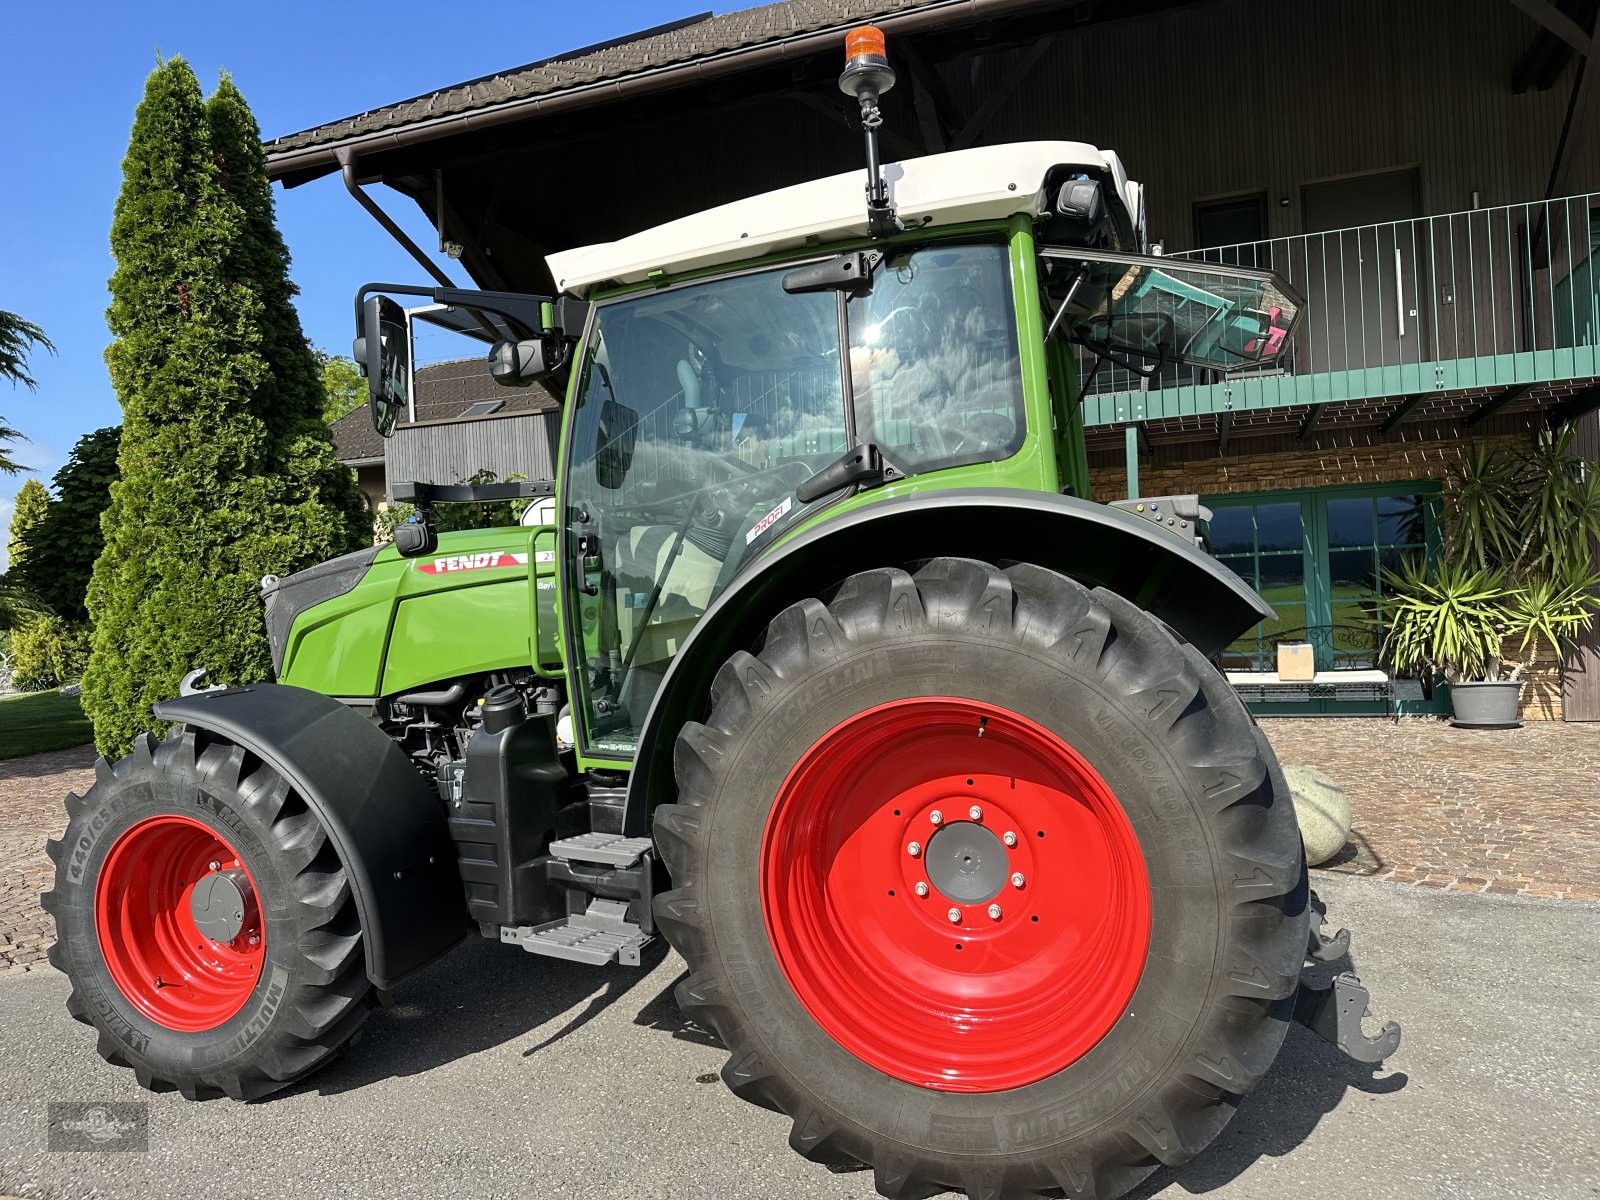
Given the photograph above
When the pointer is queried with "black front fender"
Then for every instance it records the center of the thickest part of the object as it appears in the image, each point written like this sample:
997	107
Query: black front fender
384	821
1166	575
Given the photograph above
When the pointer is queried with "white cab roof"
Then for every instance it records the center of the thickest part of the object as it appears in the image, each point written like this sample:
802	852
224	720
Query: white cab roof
942	189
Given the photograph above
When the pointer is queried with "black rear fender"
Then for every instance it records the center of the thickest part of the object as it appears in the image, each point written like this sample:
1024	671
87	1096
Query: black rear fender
1166	575
383	820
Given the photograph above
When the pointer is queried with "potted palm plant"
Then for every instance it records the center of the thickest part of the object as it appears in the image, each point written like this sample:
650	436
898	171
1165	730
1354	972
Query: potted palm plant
1517	577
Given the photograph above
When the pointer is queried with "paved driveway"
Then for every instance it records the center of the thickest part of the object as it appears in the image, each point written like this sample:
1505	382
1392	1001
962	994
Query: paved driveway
500	1074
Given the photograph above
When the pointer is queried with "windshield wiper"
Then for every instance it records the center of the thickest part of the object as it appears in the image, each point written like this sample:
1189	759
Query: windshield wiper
865	464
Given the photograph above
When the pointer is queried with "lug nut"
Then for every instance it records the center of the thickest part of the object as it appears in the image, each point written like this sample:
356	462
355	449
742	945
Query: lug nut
255	939
936	817
213	865
914	849
1016	879
994	911
975	813
955	916
922	889
1010	838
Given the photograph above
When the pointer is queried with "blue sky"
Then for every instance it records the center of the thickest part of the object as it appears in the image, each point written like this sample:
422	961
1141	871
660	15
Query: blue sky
70	77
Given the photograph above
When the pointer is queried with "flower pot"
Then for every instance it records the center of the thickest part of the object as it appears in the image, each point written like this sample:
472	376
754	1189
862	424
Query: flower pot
1486	704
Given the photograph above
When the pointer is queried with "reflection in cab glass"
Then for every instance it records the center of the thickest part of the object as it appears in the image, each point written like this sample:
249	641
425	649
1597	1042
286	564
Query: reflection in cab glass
933	359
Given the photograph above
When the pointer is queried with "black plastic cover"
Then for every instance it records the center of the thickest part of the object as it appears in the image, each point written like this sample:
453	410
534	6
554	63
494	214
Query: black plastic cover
286	598
384	821
517	798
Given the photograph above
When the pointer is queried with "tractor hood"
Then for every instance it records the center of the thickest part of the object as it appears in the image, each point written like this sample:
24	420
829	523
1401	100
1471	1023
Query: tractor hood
373	623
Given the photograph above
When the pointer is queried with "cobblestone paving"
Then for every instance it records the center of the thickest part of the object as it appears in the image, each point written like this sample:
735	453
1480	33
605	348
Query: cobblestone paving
31	810
1513	810
1490	811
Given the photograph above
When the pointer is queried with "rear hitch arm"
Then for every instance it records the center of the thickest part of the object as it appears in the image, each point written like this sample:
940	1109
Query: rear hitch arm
1334	1014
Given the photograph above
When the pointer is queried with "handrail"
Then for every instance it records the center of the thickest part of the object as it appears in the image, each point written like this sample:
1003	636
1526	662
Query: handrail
1511	291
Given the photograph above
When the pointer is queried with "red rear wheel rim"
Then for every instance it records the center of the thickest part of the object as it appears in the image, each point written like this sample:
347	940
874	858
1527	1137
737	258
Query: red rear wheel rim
160	960
988	1002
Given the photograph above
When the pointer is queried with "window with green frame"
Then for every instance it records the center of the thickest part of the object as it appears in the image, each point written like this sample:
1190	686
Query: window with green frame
1317	556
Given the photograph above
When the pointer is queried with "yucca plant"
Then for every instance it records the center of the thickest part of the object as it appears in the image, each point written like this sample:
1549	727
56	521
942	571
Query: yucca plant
1518	565
1551	612
1448	617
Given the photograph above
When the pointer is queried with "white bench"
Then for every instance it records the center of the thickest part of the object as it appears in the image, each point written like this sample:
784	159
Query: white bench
1265	686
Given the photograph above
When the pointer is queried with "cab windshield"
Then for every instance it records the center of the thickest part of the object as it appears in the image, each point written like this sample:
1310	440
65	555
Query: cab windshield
700	409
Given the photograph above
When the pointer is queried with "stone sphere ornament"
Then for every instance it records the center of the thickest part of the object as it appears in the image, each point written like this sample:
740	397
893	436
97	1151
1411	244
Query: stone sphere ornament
1323	810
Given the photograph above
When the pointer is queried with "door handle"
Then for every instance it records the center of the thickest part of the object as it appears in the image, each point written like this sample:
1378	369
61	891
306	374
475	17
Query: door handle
1399	293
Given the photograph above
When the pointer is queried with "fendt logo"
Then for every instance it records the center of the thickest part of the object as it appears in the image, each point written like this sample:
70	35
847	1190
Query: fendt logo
473	562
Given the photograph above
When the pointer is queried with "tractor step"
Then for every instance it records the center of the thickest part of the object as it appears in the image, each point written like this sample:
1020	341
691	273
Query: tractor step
610	849
601	934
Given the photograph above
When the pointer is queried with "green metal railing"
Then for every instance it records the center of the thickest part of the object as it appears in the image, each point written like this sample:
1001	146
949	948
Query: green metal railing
1494	297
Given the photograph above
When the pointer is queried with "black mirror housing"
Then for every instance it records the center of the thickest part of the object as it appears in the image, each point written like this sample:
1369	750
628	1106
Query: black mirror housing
518	364
413	539
383	352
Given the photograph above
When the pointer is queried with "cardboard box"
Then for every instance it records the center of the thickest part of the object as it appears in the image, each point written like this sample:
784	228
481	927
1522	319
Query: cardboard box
1296	662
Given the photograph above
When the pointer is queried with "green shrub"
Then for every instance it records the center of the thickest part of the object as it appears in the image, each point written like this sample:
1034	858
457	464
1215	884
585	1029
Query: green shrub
48	652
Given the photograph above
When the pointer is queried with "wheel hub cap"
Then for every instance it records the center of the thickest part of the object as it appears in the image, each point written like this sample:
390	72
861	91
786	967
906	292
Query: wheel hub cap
955	895
218	902
967	863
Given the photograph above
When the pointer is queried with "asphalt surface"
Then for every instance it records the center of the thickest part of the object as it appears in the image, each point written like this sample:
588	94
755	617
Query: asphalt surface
501	1074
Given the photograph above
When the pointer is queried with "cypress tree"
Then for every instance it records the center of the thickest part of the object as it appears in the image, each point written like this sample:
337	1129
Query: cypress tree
32	509
69	539
221	479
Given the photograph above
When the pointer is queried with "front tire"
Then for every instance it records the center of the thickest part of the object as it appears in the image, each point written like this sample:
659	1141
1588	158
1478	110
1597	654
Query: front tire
1089	954
205	922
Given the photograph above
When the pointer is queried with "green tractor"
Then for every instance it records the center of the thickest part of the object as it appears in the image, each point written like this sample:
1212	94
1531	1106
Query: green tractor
822	667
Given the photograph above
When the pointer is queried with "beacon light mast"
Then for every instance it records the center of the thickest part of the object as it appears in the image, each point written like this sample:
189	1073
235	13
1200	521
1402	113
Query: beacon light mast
867	76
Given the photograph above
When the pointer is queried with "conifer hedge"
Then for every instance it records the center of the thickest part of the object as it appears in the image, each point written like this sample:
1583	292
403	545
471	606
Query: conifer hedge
226	471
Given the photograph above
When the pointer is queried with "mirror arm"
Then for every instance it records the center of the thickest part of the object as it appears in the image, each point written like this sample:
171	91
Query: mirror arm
1103	351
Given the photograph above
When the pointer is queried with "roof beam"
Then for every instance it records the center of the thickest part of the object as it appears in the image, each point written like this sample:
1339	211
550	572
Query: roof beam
1307	426
896	145
1400	413
1557	22
1582	404
997	97
936	111
1539	68
1583	111
1224	432
1495	403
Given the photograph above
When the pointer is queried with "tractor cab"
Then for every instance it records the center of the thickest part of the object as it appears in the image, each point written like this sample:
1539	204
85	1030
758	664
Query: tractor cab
735	375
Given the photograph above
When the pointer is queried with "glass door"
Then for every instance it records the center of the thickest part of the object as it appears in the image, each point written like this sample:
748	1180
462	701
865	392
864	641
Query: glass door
1318	558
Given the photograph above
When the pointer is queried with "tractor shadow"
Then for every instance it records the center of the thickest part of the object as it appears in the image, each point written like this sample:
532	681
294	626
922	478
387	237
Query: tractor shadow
481	995
1309	1080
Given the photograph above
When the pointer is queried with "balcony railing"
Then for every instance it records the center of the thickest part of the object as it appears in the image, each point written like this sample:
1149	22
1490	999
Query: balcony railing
1494	297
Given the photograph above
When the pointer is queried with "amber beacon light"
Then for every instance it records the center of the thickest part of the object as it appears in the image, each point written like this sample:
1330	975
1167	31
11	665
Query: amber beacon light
867	75
867	71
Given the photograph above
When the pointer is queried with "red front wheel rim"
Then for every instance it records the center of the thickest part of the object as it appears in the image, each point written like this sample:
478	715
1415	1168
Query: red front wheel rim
955	895
144	911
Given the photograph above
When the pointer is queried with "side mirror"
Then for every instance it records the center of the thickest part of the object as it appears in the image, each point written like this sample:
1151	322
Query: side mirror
619	429
383	352
518	364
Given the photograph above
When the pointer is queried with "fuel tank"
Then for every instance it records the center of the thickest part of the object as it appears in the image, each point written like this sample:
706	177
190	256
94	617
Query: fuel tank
373	623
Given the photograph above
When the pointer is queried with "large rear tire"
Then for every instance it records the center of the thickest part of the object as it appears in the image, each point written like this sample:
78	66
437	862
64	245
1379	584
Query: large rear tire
205	922
1090	952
